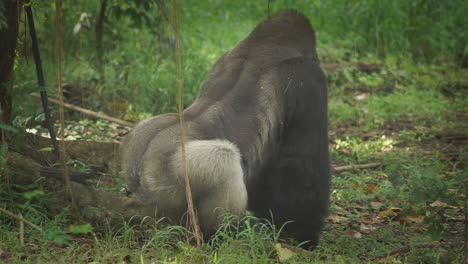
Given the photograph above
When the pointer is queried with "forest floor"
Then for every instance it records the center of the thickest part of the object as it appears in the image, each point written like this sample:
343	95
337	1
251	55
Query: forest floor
403	125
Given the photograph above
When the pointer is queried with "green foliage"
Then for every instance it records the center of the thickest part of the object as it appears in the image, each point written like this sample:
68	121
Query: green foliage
34	204
3	153
402	94
342	112
140	12
6	127
58	235
99	130
249	230
139	49
360	150
423	185
81	229
78	165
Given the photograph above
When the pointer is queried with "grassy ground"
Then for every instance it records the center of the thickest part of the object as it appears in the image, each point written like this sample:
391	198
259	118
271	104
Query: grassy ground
405	118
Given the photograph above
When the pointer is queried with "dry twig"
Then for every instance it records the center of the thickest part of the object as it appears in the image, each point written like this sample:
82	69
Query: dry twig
192	216
88	112
355	167
21	218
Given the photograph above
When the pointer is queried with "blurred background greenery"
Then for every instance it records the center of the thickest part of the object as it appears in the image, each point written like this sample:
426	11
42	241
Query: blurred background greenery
138	64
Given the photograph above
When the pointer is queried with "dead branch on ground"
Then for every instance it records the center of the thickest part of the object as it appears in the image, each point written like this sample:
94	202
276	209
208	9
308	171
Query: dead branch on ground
89	112
355	167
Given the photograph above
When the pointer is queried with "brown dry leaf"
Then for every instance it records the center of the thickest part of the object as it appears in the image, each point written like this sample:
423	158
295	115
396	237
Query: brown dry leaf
365	214
371	219
442	204
354	234
370	188
336	219
283	253
367	228
362	96
415	219
376	205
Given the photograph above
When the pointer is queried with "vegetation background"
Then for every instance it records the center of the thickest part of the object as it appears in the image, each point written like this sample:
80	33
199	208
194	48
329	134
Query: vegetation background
398	85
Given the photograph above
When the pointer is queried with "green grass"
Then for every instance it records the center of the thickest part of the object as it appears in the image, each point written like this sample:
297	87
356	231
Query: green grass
373	213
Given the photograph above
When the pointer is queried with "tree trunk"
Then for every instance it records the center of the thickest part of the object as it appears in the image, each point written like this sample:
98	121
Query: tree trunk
8	38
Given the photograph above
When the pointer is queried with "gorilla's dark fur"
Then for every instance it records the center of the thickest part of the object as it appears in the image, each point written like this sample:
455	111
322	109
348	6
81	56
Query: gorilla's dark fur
256	137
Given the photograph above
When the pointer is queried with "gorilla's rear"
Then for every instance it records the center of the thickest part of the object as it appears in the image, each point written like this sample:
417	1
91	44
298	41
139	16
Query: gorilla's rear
256	137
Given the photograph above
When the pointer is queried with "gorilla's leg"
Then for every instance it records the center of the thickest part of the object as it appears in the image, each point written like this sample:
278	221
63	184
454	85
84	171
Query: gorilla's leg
297	195
216	180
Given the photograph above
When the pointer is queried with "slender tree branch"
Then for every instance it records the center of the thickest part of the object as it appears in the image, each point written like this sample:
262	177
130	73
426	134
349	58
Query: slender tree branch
89	112
193	219
356	167
21	218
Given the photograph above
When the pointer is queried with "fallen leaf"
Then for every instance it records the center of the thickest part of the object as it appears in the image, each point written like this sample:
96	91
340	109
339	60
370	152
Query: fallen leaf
392	211
283	253
362	96
370	188
415	219
376	205
354	234
372	219
442	204
336	219
367	228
